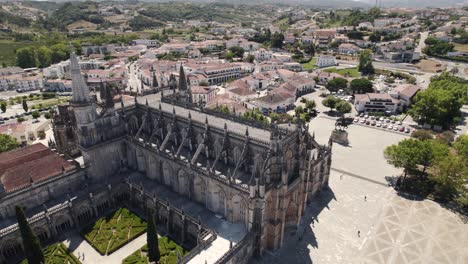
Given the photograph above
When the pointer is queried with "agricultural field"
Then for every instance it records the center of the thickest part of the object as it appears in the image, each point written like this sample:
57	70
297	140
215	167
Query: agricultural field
57	253
167	248
350	72
111	232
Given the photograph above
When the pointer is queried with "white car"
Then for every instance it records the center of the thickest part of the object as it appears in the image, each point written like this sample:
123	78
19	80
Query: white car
384	126
390	127
395	128
379	124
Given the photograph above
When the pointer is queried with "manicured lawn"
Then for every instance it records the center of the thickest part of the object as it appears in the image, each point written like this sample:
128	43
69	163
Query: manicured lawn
309	65
57	254
167	248
111	232
351	72
283	24
8	49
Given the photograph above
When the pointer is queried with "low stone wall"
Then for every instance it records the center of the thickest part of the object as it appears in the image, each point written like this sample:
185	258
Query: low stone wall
240	253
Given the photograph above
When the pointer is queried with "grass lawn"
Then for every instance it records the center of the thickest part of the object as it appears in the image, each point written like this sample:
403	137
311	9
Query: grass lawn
111	232
57	254
309	65
8	50
167	248
351	72
283	24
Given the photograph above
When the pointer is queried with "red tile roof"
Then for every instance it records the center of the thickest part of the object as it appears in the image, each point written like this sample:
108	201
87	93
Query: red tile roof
21	167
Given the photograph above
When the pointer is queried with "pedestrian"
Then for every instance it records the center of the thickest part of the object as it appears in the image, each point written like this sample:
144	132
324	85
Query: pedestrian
83	256
341	176
365	198
359	233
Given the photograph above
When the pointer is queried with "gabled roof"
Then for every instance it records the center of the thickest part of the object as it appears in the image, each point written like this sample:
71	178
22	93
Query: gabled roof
22	167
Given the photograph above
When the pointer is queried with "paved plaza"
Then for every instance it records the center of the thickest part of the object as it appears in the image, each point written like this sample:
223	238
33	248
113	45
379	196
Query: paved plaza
360	219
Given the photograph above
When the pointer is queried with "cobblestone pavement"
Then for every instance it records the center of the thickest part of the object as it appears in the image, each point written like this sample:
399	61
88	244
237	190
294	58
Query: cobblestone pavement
360	219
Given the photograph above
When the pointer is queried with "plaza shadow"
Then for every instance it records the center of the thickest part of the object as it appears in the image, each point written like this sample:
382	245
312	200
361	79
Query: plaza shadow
297	241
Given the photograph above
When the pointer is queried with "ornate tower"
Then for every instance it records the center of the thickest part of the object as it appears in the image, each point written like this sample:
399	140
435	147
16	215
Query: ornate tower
83	107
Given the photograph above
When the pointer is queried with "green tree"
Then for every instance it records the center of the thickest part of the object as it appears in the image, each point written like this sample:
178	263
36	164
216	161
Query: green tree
422	134
36	114
336	84
277	40
229	55
7	143
250	58
330	102
3	107
403	155
25	105
31	244
436	107
26	57
361	86
461	145
44	57
365	62
152	239
449	175
59	52
309	49
310	105
343	107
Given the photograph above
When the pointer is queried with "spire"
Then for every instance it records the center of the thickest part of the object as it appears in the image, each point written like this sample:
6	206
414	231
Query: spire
79	87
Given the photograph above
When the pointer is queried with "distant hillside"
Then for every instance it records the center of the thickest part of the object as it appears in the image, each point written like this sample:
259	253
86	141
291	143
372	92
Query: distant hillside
417	3
311	3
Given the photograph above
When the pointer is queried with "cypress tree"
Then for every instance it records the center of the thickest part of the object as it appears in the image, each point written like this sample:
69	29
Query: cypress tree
25	105
182	79
152	239
31	244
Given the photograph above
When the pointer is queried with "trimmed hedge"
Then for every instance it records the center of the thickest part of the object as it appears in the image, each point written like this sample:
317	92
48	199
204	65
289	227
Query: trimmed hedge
114	228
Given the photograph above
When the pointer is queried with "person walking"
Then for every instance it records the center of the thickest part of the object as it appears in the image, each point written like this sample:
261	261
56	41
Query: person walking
359	233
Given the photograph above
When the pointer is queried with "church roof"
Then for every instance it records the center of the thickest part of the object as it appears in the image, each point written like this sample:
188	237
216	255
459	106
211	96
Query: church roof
22	167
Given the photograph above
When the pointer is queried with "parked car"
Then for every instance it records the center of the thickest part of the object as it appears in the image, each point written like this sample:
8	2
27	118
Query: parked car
361	115
367	122
387	120
390	127
372	117
356	120
384	126
379	124
366	116
393	121
373	123
381	119
395	128
402	129
407	130
363	121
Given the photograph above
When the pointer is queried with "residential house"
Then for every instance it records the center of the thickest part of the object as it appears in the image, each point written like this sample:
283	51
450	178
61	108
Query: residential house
326	61
348	49
202	94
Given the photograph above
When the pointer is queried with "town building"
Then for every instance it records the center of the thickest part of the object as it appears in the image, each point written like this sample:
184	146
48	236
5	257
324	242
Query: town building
376	102
326	61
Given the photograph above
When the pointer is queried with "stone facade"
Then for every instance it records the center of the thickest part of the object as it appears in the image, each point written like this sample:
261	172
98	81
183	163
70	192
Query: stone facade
260	176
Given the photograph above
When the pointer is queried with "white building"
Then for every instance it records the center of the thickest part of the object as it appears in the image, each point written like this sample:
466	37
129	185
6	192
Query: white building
149	43
375	102
21	82
262	55
326	61
202	94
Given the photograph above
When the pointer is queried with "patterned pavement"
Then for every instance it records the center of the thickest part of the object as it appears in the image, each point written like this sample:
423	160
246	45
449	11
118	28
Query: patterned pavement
416	232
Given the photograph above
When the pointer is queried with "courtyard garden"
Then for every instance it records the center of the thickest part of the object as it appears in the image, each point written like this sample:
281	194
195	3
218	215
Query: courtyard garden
113	231
167	247
57	254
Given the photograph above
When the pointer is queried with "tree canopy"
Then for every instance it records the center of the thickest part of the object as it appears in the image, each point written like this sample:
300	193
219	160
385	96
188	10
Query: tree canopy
336	84
365	62
7	143
31	244
361	86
